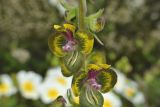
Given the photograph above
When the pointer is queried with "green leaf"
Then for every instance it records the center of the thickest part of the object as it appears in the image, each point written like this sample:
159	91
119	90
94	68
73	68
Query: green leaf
90	97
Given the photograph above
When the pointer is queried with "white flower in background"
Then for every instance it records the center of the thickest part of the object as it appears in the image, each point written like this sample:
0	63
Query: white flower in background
6	86
29	83
121	82
111	100
22	55
136	3
56	3
132	93
138	99
55	84
128	89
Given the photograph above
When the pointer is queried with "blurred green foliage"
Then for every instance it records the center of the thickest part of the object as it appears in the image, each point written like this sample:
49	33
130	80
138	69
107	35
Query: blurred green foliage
131	39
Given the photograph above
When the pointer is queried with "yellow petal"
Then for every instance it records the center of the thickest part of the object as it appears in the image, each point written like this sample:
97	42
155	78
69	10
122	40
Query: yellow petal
86	41
69	27
55	43
104	66
59	28
107	79
93	67
77	83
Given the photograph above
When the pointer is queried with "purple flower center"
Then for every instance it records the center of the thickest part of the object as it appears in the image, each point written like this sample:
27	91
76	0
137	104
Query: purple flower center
92	74
93	83
70	45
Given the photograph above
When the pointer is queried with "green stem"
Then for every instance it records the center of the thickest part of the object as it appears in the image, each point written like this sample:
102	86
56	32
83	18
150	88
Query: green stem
81	14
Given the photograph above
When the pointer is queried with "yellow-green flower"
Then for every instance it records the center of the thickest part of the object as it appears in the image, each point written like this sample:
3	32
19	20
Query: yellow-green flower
99	77
70	45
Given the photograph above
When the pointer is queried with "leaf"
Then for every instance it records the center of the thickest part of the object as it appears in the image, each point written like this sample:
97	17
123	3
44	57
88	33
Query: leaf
90	97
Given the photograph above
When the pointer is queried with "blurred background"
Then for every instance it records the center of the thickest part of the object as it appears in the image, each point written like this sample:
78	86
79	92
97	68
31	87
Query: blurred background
131	40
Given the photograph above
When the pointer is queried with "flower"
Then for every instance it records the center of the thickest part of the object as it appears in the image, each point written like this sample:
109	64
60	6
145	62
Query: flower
111	100
54	85
29	83
128	89
6	86
99	77
132	93
70	45
20	54
121	82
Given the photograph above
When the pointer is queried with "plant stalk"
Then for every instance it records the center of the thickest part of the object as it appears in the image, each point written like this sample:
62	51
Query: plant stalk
81	14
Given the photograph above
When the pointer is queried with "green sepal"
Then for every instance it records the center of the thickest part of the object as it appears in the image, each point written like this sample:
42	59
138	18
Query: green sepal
71	63
107	79
95	22
90	97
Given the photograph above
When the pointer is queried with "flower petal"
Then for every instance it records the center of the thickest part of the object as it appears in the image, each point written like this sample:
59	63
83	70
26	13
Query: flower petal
59	28
71	63
55	43
85	40
77	82
107	79
69	27
98	67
